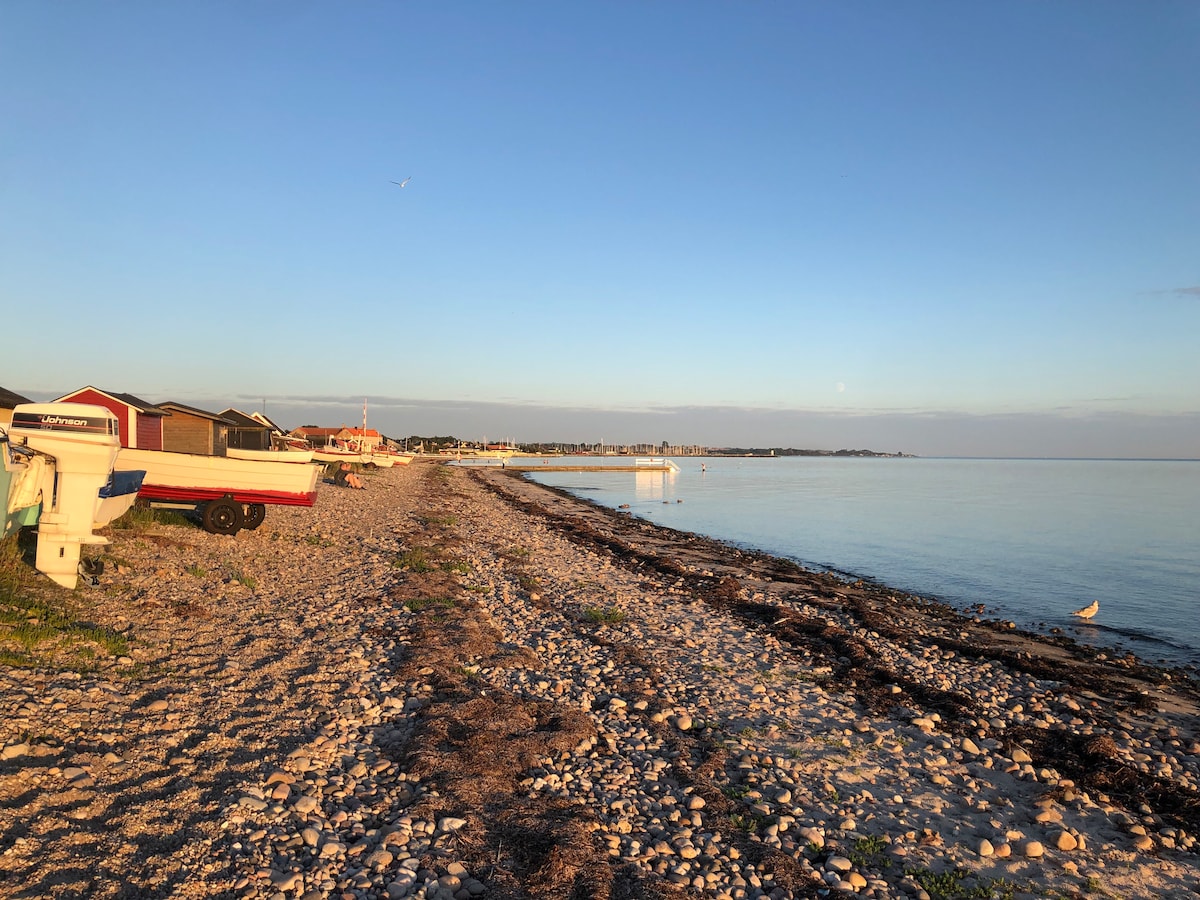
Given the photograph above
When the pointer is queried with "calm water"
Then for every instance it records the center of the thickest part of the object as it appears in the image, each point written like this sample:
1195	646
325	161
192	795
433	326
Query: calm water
1030	539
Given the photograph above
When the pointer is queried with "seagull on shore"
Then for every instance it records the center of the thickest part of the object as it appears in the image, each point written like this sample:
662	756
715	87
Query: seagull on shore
1088	611
404	182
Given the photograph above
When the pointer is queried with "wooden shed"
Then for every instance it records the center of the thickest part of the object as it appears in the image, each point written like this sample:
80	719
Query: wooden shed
140	423
246	432
191	430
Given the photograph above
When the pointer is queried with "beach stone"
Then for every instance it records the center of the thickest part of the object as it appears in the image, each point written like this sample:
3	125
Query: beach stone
450	824
812	836
12	751
683	722
401	885
838	864
985	848
285	881
305	804
1033	850
1065	841
1020	757
378	859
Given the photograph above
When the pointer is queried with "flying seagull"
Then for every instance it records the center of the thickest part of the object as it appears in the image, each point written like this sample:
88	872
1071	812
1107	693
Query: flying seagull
1088	611
404	182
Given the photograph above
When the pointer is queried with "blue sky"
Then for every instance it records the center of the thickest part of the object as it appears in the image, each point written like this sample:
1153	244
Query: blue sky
941	227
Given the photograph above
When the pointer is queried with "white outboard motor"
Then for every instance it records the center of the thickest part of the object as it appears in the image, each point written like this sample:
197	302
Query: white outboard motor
83	439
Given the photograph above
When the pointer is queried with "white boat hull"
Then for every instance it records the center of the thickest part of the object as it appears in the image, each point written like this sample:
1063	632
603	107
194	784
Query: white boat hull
192	477
288	456
329	454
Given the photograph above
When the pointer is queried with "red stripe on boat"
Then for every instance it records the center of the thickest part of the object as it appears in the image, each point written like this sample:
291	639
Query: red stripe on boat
278	498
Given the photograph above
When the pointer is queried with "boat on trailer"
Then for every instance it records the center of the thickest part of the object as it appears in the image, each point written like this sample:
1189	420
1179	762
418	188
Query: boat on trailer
230	494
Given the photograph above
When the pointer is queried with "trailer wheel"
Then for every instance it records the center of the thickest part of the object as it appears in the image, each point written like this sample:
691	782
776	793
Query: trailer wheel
255	513
223	516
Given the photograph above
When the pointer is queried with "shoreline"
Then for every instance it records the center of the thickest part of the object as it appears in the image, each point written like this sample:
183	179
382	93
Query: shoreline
460	683
1154	641
847	587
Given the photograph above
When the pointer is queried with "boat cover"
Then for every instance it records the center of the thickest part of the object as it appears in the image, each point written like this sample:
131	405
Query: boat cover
122	483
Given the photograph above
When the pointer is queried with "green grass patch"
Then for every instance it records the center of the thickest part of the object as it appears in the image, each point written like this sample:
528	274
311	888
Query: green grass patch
443	521
417	560
419	603
603	615
196	571
243	579
38	626
961	884
461	566
528	583
869	851
143	518
745	823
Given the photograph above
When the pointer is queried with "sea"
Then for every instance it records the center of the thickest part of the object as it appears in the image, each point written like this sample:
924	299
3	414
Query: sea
1029	539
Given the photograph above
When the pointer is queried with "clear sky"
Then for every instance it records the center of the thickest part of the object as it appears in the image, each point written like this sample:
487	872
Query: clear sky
937	227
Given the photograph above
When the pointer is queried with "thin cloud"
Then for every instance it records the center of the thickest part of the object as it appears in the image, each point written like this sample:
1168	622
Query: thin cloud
1175	292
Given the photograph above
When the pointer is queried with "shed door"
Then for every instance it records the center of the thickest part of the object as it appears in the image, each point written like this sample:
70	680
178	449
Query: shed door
149	433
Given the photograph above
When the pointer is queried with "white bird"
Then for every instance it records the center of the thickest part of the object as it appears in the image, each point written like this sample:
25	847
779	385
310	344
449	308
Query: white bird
404	182
1088	611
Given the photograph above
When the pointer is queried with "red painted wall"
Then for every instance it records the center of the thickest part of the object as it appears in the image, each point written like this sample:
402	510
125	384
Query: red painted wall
148	433
120	410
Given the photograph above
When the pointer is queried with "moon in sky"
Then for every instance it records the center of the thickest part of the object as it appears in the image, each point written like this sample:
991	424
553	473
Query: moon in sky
839	387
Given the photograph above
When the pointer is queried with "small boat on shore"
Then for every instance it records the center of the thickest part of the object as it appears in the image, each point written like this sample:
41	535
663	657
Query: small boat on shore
289	456
230	494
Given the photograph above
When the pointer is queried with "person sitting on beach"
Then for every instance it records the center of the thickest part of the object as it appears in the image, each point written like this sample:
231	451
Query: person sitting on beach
345	478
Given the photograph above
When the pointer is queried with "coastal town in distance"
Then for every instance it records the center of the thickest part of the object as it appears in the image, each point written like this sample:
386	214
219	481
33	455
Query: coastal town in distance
449	445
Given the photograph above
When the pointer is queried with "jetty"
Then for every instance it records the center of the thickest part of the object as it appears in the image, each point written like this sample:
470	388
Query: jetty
645	464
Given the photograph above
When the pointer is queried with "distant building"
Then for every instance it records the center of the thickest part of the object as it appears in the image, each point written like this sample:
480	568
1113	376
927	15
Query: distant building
191	430
140	422
357	438
246	432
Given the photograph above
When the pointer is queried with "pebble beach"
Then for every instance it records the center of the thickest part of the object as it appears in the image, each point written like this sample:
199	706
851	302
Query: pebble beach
458	683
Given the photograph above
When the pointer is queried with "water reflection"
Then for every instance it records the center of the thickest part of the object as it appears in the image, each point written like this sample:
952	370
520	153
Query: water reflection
651	485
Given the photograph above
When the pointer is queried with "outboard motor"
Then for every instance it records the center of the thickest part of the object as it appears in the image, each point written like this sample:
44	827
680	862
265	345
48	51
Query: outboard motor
83	439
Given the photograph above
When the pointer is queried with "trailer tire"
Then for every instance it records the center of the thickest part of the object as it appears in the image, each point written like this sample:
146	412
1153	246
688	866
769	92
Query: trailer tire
255	513
223	516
